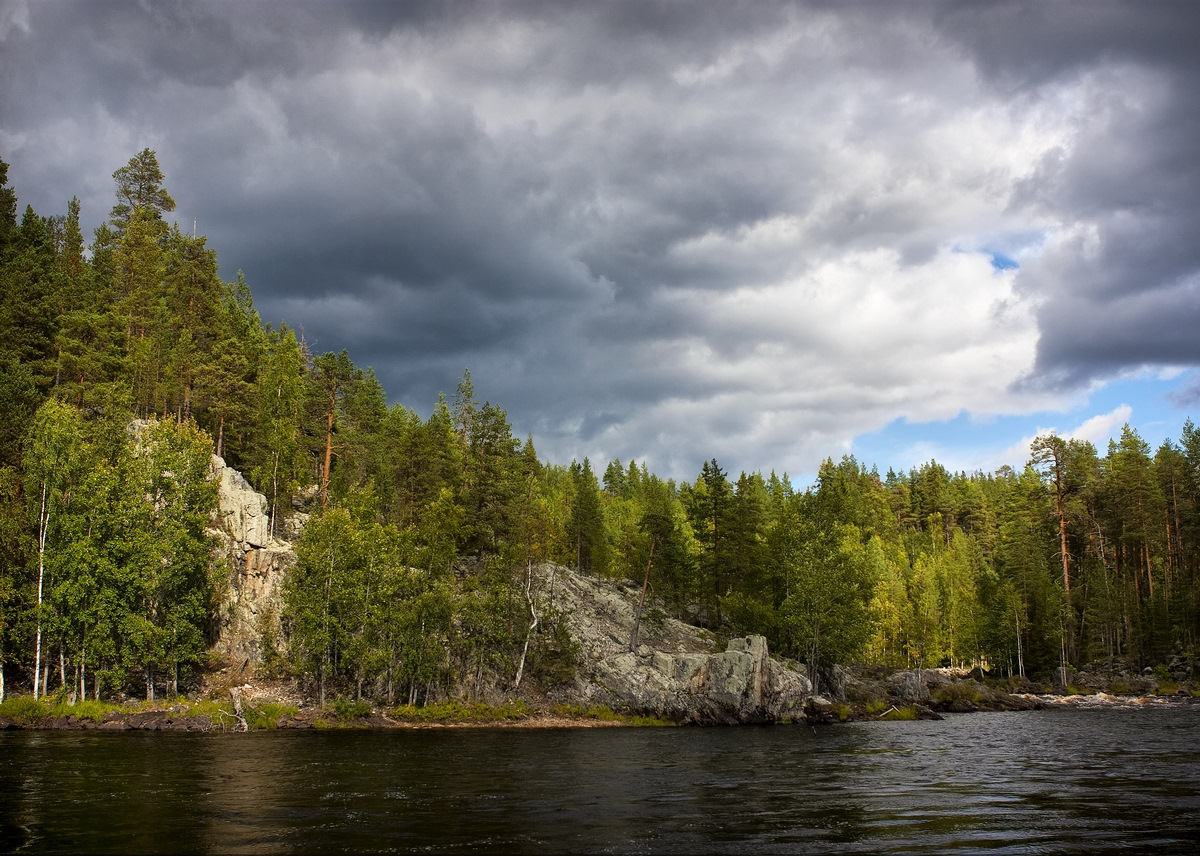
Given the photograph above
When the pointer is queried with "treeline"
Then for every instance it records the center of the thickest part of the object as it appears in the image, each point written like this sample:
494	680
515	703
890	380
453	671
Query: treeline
125	363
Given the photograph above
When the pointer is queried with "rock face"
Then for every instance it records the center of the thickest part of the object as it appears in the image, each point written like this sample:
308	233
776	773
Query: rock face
676	671
241	511
248	618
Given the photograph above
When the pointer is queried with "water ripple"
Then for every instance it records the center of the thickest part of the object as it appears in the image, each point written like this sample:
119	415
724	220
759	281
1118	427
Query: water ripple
1061	781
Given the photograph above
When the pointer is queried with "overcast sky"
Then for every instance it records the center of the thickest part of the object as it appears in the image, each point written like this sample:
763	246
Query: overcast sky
763	232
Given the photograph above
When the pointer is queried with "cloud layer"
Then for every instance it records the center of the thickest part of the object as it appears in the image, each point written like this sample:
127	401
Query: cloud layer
663	231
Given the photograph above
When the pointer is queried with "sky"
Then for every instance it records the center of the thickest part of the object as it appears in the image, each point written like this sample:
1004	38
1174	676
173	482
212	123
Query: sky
766	233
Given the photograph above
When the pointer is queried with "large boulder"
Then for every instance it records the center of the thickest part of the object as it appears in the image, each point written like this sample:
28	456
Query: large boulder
913	687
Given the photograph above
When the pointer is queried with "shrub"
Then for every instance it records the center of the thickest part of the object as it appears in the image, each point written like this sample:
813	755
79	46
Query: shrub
346	710
25	710
578	711
650	722
601	713
267	715
460	712
555	655
958	691
901	714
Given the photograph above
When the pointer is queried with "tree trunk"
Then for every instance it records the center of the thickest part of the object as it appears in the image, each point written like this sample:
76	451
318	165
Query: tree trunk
1062	538
43	528
1020	655
328	451
237	695
532	626
637	618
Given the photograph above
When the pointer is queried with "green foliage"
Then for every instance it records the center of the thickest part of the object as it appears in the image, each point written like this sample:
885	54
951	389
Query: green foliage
26	711
122	554
266	716
554	658
824	619
347	709
91	709
586	525
651	722
596	712
455	712
900	714
958	691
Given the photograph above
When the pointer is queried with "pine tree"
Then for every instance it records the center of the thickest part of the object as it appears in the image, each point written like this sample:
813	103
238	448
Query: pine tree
140	190
331	376
586	526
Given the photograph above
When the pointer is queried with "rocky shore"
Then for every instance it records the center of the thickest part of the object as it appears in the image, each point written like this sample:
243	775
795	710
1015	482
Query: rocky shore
956	696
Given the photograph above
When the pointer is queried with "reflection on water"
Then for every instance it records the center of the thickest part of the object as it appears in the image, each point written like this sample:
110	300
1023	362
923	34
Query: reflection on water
1054	781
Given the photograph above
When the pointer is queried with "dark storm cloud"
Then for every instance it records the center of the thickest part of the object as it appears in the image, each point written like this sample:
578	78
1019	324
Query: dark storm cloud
660	230
1123	291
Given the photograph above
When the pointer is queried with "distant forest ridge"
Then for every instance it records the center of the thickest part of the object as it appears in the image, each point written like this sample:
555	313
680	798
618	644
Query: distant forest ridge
125	363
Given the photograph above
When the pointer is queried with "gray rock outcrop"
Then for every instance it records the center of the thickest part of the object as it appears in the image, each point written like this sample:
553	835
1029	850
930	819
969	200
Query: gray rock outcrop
247	622
676	671
241	511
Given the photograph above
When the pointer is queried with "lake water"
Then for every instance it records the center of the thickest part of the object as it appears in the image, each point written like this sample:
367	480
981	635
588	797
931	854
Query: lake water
1058	781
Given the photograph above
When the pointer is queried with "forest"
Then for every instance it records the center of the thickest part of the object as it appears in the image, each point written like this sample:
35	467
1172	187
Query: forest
126	362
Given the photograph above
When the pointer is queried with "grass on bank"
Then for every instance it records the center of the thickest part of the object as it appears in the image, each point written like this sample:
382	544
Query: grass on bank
600	713
33	713
30	712
458	712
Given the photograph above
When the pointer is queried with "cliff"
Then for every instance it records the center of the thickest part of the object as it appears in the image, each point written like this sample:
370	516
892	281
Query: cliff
253	567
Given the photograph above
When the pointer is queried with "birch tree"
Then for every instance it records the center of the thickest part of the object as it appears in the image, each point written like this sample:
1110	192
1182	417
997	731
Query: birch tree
52	463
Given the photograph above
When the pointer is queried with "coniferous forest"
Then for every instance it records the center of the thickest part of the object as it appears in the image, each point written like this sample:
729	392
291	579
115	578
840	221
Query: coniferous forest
125	363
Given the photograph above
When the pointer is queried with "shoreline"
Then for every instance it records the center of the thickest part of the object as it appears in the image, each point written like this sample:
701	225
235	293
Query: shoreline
181	718
166	721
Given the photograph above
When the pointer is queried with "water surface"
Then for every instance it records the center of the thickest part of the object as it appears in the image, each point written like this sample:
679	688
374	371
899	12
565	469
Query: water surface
1034	782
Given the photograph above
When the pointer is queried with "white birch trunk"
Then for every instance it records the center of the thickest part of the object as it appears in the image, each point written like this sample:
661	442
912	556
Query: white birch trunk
533	625
43	527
